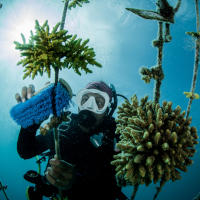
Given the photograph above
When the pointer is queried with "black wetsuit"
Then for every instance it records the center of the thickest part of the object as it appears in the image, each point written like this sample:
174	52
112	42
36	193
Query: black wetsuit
95	176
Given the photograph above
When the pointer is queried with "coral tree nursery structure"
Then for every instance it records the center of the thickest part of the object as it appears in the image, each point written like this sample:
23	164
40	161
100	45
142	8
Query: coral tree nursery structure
156	141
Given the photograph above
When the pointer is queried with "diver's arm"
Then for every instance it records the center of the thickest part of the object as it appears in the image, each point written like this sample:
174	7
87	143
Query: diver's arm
30	145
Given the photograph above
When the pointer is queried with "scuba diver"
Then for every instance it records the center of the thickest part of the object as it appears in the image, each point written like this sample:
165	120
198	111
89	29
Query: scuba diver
87	145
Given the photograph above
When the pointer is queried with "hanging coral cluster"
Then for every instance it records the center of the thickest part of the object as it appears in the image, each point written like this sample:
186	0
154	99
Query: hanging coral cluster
192	96
56	49
194	34
153	73
75	3
156	142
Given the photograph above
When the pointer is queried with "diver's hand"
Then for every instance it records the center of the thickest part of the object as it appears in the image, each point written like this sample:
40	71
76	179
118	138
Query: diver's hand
26	93
60	174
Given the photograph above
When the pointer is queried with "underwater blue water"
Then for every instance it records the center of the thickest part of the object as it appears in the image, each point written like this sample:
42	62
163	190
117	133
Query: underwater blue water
122	42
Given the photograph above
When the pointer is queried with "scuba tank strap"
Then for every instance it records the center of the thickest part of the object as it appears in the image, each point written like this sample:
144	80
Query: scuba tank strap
114	103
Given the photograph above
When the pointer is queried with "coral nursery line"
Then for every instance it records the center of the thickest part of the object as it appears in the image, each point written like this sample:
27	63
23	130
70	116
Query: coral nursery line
196	35
156	141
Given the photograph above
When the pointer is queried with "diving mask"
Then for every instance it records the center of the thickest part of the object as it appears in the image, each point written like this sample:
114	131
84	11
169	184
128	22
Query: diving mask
93	100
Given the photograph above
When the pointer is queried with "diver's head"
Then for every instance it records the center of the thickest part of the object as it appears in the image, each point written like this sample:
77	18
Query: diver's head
93	102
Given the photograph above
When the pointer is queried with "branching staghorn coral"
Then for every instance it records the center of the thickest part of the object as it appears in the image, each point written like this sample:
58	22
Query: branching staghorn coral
57	50
79	3
54	49
196	35
156	143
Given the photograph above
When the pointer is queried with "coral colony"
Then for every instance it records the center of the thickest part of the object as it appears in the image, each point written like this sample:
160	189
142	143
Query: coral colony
56	50
156	141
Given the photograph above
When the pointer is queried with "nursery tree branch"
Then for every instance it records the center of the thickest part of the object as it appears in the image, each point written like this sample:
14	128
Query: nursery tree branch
196	63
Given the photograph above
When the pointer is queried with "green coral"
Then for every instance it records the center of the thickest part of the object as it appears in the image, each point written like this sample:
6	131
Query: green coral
79	3
192	96
156	142
194	34
152	73
54	49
